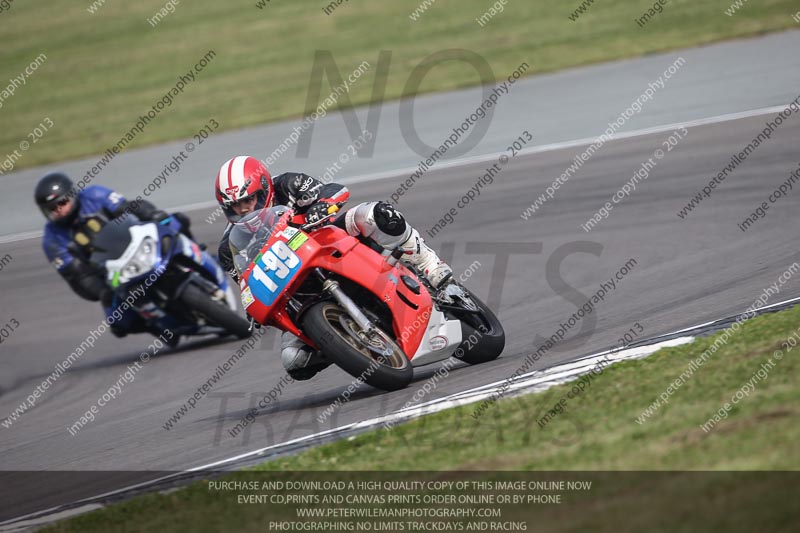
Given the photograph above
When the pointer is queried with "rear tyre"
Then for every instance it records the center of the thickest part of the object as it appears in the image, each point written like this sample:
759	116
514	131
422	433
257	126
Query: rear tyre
483	335
380	362
216	312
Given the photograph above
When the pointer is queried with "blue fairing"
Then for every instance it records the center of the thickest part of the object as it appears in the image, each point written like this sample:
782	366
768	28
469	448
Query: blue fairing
172	227
180	246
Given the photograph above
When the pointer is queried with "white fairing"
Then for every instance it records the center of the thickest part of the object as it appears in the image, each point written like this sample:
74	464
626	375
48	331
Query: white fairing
138	234
442	338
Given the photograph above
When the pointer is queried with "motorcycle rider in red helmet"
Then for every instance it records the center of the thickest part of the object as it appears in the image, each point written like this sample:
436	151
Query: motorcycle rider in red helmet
243	185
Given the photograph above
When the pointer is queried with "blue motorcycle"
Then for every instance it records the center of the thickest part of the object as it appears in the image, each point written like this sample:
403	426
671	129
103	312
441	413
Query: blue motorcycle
177	285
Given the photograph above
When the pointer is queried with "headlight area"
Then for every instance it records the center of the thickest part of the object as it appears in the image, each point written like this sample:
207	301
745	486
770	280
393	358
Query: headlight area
143	260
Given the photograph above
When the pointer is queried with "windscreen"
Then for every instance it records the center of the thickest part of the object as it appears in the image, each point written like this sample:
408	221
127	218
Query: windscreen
112	240
250	233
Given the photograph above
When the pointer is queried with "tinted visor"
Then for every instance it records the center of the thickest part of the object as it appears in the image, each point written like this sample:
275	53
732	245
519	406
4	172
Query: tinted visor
55	204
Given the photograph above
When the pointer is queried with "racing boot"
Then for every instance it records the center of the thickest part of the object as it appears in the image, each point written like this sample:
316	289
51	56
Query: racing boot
300	360
424	259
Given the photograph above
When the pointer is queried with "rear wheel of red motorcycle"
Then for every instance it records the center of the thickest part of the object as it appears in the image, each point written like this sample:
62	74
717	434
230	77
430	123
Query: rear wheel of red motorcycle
380	362
483	337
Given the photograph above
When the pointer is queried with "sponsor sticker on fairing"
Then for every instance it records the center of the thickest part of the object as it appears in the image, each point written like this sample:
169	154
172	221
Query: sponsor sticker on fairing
297	241
247	297
288	233
438	343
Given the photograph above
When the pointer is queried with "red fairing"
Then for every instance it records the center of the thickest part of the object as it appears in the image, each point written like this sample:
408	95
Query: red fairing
355	262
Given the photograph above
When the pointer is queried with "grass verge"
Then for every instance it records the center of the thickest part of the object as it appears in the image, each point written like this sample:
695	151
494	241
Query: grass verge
105	69
597	432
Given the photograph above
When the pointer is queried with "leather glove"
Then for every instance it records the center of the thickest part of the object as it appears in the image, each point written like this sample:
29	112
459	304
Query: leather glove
182	218
185	223
159	215
317	212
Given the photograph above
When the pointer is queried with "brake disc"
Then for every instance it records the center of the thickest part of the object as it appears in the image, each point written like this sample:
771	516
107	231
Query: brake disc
384	350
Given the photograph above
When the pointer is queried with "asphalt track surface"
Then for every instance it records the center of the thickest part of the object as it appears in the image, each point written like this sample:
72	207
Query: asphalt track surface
576	103
687	272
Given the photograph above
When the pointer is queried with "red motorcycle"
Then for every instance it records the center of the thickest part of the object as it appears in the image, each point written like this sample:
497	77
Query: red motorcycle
353	301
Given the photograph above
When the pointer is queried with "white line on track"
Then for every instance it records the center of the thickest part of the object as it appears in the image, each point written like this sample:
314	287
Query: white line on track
532	382
536	381
484	158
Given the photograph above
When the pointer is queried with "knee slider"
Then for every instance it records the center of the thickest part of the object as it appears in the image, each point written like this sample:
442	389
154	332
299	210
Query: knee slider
388	219
378	221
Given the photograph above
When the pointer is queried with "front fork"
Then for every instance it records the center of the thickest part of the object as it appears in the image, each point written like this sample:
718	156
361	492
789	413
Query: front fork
332	287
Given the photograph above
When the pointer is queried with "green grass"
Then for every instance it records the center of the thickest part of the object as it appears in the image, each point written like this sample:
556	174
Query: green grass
105	69
596	432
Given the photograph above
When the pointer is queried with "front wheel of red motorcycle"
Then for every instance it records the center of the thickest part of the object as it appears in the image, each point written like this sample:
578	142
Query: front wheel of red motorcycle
376	359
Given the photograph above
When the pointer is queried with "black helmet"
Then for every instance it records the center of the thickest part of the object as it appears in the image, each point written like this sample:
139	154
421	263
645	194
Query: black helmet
52	189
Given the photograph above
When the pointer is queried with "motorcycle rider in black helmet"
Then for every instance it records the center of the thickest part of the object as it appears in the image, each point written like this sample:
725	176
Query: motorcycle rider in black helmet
73	216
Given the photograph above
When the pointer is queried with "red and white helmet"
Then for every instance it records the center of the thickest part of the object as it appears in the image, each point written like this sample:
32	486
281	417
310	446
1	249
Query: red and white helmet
238	179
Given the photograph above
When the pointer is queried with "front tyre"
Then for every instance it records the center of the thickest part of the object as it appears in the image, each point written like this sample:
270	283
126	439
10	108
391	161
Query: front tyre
377	361
216	312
